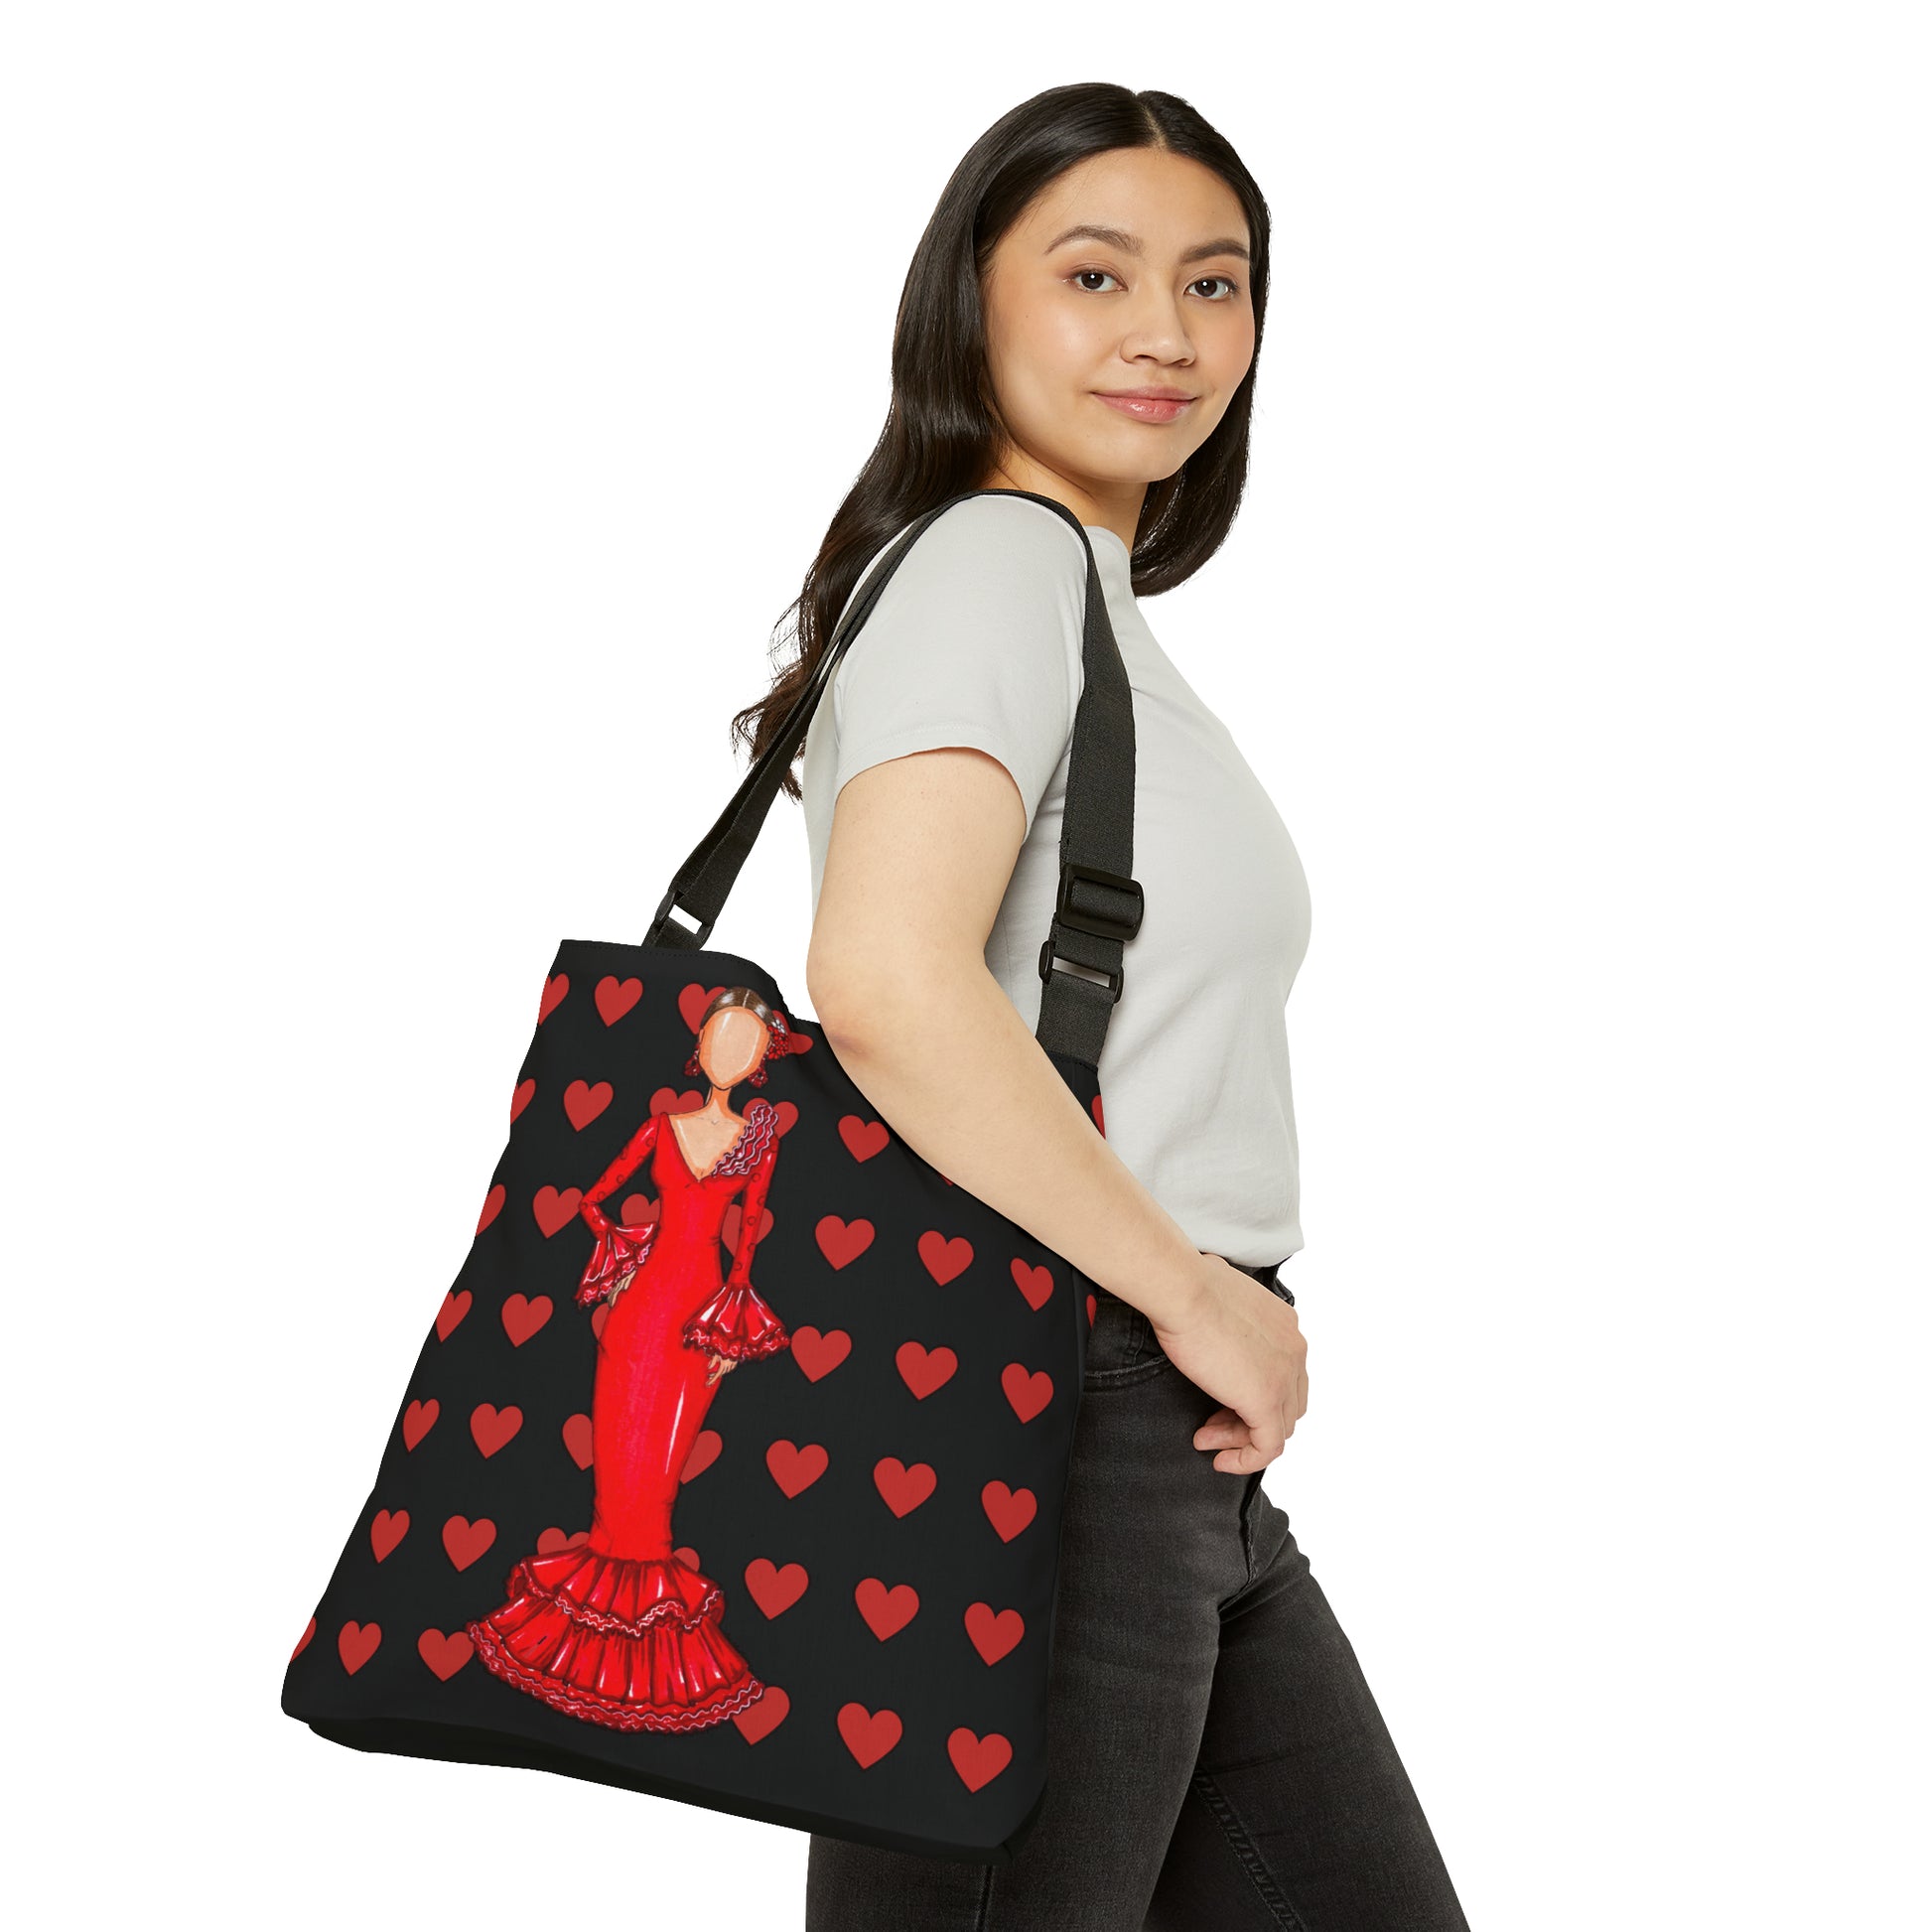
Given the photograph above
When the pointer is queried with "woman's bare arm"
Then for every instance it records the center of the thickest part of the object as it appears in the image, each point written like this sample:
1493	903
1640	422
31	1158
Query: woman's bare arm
920	852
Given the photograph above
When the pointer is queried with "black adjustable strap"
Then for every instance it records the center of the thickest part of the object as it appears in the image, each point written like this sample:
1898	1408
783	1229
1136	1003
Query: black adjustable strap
1099	904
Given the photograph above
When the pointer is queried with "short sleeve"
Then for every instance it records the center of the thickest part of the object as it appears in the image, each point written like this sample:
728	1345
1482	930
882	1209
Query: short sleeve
976	640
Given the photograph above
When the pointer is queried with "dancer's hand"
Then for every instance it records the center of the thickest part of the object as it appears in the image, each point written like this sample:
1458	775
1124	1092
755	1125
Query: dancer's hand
1242	1344
720	1365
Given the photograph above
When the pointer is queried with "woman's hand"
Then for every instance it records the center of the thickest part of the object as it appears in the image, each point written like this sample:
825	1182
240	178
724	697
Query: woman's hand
720	1365
1242	1344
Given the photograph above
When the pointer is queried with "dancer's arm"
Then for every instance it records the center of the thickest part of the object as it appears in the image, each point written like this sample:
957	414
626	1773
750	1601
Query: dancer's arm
617	1173
751	1217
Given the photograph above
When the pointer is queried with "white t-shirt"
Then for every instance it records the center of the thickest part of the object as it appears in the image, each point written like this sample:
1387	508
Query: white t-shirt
976	641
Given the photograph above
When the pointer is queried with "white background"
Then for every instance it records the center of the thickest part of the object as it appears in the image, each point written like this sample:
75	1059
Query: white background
417	419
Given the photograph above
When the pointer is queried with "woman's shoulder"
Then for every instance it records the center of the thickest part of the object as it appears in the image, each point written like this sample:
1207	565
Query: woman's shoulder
1011	532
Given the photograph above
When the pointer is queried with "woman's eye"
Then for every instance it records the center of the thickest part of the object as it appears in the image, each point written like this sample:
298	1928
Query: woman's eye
1080	275
1225	282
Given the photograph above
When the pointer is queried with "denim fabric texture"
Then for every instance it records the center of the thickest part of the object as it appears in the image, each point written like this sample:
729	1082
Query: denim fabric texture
1216	1763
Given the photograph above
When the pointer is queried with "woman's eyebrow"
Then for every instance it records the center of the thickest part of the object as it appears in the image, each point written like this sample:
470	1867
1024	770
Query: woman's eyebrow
1132	245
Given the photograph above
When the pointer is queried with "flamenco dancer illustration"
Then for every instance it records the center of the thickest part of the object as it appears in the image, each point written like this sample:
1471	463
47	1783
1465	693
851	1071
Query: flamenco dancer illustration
621	1630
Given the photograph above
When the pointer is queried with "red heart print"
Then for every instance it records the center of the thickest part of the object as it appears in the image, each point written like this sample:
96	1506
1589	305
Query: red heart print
302	1642
887	1611
704	1453
862	1138
841	1241
668	1100
692	1001
522	1317
903	1489
925	1369
868	1735
945	1259
1008	1510
765	1717
616	996
687	1555
1036	1283
774	1590
819	1354
553	1540
1028	1393
993	1635
467	1541
733	1224
356	1643
418	1420
555	1210
795	1469
553	994
577	1439
1099	1117
526	1092
492	1427
599	1317
389	1529
636	1210
785	1117
978	1760
1093	1307
584	1102
445	1655
493	1206
455	1307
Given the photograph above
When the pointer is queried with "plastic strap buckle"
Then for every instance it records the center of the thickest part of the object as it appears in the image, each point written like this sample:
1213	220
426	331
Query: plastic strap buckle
687	939
1099	913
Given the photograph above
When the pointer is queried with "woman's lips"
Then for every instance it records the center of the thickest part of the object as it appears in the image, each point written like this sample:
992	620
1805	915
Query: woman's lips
1147	409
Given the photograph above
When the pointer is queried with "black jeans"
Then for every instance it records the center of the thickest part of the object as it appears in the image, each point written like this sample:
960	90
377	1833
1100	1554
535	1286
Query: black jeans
1215	1761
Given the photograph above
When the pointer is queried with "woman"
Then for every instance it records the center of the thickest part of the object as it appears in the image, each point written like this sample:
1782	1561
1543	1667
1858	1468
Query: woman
622	1629
1082	320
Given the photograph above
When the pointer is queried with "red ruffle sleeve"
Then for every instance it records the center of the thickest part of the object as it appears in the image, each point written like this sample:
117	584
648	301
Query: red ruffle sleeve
738	1322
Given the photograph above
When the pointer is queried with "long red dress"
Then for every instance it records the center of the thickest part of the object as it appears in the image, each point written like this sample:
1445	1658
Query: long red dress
621	1630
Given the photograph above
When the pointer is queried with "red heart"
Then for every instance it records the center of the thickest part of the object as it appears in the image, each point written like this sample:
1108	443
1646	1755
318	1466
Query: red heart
522	1098
1036	1283
1099	1118
455	1307
553	1540
491	1207
599	1317
704	1453
841	1241
493	1427
554	1210
787	1117
774	1590
577	1439
302	1642
1008	1510
445	1655
584	1102
467	1541
733	1225
862	1138
522	1317
869	1735
795	1469
819	1354
945	1259
686	1554
667	1100
637	1210
692	1001
925	1369
903	1489
1093	1305
765	1717
887	1611
993	1635
616	996
1028	1393
356	1642
553	993
387	1530
418	1420
978	1760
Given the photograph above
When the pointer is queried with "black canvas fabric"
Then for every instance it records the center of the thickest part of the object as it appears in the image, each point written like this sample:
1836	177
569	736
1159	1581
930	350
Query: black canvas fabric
878	1500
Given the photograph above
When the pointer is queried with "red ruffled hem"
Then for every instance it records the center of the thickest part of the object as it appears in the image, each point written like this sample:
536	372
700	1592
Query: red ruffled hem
619	1254
736	1321
631	1643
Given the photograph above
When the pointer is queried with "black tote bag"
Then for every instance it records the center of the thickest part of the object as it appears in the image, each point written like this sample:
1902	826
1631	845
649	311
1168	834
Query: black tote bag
815	1586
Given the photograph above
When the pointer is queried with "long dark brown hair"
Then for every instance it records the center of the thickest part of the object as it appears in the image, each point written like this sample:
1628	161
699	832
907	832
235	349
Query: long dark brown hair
942	435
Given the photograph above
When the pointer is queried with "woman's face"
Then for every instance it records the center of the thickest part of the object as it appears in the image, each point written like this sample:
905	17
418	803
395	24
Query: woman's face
732	1045
1127	274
